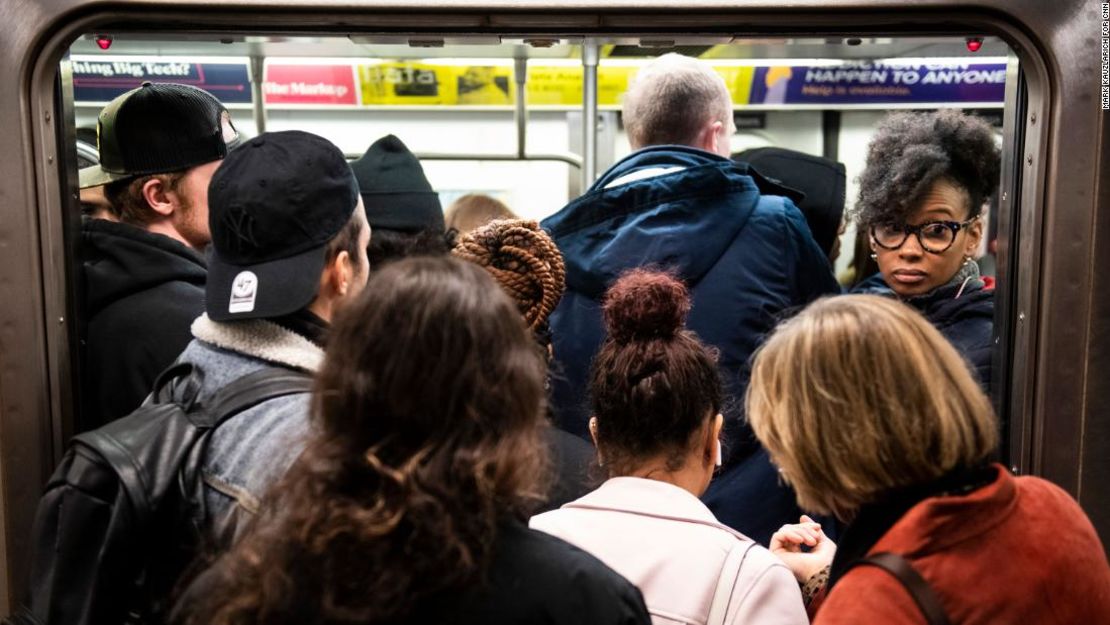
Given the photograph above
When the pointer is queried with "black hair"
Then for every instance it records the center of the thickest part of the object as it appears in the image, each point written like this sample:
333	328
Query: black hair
912	151
388	245
346	240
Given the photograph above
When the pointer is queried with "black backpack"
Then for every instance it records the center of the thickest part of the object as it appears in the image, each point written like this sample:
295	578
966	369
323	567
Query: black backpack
121	517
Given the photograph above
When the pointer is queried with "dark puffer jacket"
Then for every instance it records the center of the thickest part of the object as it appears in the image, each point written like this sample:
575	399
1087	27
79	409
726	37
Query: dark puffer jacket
966	321
141	291
749	260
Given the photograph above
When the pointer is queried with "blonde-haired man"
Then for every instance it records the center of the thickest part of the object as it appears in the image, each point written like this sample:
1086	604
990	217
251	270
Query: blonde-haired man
678	100
745	252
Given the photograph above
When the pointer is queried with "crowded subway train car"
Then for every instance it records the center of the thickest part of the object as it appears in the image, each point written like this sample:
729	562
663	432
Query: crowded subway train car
177	167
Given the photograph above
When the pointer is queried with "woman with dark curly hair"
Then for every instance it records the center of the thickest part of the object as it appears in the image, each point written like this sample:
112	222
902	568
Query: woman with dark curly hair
656	398
408	504
921	197
529	267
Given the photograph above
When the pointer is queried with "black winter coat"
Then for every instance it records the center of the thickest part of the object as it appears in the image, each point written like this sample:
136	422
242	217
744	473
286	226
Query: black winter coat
141	292
574	462
537	578
533	578
967	322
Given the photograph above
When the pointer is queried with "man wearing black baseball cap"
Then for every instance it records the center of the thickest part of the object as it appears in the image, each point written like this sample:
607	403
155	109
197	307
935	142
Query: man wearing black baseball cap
143	277
289	239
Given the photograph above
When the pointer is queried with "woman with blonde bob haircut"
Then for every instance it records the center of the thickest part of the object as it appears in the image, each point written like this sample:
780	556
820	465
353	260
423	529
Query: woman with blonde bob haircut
873	416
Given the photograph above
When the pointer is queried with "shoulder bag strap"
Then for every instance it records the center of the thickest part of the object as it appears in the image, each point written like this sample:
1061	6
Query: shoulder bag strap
726	583
916	585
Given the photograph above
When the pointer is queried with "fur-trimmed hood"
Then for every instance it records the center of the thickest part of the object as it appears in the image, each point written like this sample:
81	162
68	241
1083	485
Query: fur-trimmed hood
260	339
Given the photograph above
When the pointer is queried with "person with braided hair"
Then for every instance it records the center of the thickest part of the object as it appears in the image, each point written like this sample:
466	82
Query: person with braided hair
527	264
524	261
656	400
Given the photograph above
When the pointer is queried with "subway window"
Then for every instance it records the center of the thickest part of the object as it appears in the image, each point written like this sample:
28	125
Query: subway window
522	126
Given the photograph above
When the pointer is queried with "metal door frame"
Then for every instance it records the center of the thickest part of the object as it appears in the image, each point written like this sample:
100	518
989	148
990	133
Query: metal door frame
1059	316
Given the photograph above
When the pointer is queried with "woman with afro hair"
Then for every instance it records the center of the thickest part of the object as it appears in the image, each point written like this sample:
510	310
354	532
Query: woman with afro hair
921	197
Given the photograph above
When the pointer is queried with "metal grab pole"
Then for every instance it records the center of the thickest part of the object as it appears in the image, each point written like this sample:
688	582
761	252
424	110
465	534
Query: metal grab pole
589	113
572	160
257	68
520	75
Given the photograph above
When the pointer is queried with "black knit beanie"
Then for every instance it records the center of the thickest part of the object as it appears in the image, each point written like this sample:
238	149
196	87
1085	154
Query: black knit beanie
394	189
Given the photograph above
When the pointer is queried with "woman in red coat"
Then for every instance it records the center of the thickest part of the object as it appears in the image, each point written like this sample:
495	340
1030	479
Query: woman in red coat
873	416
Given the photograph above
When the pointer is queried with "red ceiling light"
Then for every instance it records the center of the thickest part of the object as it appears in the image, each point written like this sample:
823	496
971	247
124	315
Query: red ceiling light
104	41
974	43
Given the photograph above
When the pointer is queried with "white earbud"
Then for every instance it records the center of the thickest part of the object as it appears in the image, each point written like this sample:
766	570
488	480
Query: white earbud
720	457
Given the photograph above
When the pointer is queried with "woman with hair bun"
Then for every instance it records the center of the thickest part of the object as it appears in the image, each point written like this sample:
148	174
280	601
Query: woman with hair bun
656	399
524	260
921	198
407	506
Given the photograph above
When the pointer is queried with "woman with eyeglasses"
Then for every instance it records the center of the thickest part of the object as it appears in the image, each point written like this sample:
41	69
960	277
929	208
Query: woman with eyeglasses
921	197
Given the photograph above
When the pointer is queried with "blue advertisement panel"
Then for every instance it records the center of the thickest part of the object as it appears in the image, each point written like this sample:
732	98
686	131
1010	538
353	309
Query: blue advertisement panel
880	82
101	80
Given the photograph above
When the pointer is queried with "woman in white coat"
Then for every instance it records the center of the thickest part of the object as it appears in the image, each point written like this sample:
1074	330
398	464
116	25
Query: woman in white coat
656	398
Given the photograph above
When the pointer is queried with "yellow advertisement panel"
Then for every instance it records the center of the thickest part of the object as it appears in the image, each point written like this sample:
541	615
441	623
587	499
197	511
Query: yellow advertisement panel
562	85
408	83
739	82
554	85
415	83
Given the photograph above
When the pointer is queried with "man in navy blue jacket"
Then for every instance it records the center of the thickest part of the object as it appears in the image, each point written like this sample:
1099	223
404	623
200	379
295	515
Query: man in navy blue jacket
743	249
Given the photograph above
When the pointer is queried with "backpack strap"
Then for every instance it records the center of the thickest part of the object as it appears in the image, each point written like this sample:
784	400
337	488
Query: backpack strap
916	585
242	394
180	382
249	391
726	583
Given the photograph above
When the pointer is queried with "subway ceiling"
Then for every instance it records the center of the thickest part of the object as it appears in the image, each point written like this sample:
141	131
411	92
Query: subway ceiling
426	47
